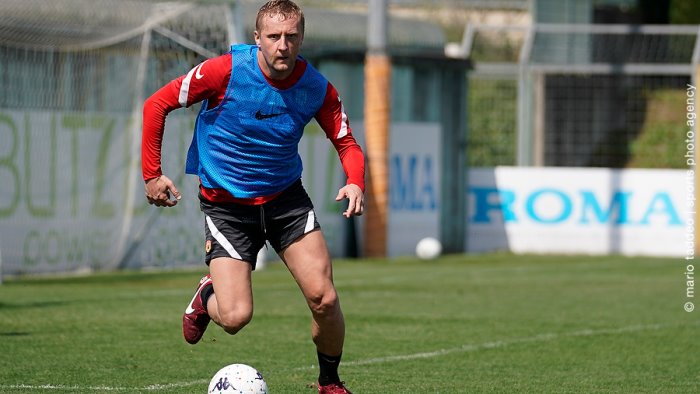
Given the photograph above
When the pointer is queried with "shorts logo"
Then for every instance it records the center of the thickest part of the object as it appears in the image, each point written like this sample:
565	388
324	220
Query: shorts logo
207	246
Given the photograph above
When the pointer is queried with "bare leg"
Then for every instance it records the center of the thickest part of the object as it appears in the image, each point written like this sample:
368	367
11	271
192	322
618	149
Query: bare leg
231	305
309	262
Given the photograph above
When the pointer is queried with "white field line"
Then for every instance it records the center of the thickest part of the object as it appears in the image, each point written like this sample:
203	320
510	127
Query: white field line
377	360
73	389
504	343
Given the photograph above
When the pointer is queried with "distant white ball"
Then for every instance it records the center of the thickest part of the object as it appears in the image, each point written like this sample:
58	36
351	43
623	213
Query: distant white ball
455	50
238	379
261	259
428	248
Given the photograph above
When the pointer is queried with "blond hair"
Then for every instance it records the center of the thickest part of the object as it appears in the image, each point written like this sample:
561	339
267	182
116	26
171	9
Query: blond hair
286	8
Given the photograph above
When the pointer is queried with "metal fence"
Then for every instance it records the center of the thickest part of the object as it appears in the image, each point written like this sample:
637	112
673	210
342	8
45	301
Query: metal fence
586	95
77	72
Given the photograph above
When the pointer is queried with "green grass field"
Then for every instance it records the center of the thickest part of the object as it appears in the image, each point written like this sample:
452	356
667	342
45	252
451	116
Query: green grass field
493	323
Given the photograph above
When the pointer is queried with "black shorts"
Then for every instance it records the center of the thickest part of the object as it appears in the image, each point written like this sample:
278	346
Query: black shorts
240	231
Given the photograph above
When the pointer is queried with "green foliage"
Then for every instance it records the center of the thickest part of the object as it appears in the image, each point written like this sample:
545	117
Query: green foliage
493	323
491	115
660	142
685	12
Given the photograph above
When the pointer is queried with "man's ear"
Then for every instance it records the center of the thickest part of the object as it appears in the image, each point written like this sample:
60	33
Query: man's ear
256	35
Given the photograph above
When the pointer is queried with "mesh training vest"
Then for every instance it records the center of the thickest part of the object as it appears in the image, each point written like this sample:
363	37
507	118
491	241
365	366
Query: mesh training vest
248	144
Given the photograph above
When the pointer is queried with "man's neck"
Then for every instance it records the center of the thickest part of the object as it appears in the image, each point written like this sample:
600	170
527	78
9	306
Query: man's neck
287	81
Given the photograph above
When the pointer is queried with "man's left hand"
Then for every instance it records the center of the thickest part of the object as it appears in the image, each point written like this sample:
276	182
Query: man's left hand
356	200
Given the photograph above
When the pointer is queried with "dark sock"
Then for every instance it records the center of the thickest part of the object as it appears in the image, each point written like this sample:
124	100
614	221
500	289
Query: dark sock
207	291
328	369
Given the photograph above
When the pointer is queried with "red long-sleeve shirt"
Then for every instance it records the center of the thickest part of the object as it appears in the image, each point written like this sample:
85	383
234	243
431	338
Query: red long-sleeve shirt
209	81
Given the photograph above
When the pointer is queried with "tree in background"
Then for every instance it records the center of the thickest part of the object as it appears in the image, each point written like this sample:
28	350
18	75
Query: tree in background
684	12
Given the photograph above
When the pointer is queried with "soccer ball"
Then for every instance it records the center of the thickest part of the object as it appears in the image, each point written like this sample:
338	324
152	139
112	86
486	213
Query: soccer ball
238	379
428	248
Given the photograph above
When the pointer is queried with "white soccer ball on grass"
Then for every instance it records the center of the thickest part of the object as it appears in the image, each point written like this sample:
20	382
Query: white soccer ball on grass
238	379
428	248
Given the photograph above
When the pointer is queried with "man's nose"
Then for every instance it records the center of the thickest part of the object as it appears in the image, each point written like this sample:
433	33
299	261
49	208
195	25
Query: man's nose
283	44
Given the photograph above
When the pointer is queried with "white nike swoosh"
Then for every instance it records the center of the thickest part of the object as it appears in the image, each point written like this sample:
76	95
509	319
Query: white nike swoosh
197	74
189	308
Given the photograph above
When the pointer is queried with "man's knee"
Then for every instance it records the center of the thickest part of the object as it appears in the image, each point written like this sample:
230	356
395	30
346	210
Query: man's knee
324	303
233	322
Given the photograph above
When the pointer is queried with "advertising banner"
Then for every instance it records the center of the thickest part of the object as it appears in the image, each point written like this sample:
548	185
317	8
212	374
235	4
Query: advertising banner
72	196
579	210
414	186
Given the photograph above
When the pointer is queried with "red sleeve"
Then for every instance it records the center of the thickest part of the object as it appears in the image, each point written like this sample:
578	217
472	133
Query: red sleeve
334	121
208	80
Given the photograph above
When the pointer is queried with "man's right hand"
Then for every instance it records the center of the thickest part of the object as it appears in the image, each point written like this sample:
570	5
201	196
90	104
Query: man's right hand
158	192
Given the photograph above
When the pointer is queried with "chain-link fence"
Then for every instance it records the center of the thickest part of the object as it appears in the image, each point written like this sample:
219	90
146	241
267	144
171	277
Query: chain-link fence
587	95
75	74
